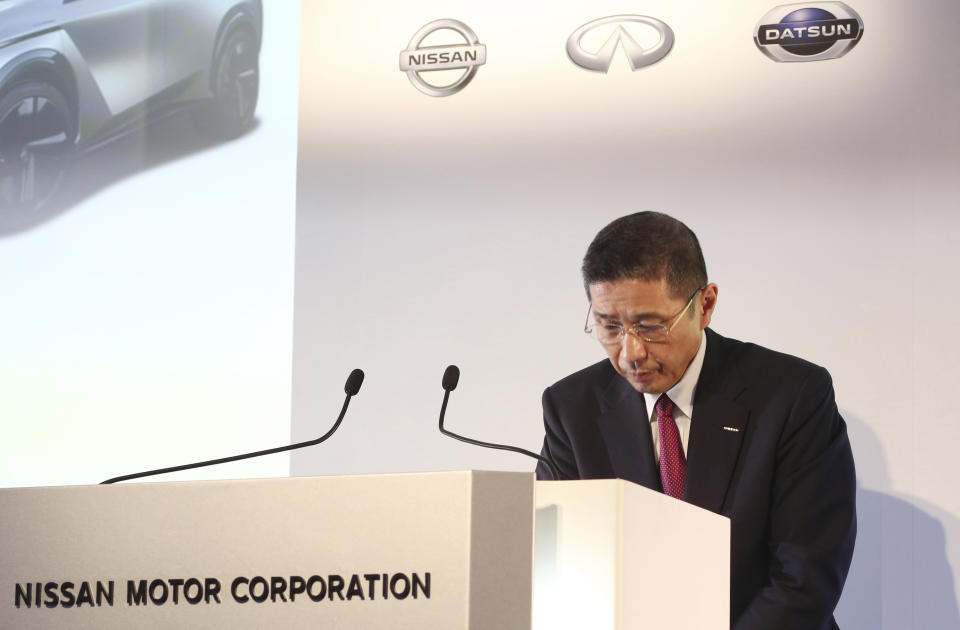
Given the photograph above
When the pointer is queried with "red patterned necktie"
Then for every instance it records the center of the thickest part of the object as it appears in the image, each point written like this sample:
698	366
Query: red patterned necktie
673	465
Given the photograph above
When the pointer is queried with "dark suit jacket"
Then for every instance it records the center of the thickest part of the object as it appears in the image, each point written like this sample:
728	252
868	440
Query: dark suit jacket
767	448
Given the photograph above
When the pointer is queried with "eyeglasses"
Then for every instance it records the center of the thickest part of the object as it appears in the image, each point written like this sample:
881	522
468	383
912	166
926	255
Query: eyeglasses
611	333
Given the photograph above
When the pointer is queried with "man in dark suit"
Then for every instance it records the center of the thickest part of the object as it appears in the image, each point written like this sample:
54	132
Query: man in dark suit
732	427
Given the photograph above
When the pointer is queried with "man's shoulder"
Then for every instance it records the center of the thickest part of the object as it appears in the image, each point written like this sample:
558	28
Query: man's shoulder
590	382
759	364
599	373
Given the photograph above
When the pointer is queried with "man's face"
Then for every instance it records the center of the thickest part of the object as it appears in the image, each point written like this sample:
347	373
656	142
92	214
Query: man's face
652	367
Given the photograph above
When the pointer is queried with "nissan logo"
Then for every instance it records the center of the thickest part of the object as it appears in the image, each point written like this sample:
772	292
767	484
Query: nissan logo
639	56
417	59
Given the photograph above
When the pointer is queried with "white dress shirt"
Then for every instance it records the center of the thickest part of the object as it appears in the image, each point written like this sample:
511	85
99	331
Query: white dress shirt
682	396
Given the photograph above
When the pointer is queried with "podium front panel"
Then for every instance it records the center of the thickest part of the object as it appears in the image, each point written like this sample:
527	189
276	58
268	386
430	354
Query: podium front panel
440	550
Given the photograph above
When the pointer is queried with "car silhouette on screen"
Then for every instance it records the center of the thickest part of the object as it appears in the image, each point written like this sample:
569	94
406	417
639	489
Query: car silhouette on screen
76	73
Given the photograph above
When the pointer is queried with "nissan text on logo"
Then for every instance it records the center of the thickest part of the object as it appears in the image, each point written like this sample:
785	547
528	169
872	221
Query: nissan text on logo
619	28
808	32
418	60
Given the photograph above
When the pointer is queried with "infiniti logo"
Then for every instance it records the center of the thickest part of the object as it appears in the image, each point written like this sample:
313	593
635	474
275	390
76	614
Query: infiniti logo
417	59
639	57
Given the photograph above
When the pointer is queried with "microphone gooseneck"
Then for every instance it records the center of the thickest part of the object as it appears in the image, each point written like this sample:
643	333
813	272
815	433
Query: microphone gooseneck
451	377
351	387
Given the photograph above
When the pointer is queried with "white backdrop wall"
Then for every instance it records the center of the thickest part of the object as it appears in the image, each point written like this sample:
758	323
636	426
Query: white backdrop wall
150	323
449	230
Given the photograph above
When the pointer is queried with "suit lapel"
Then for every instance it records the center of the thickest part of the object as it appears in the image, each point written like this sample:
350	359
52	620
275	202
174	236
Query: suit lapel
626	432
717	429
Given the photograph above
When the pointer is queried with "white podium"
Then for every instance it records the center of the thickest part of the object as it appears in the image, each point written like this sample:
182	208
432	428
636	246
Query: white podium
442	550
445	551
612	555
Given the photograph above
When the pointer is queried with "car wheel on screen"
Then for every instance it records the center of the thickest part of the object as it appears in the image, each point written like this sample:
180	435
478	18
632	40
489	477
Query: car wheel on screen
236	85
36	142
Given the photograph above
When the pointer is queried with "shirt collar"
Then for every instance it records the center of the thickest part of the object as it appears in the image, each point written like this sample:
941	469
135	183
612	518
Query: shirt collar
682	393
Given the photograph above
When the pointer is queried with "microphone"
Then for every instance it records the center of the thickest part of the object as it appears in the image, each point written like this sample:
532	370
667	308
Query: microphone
351	387
451	377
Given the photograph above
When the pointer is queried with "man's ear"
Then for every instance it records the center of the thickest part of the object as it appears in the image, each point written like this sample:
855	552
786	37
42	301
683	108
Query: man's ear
706	303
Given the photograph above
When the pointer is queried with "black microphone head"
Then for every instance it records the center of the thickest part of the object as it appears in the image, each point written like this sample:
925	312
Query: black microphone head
451	376
354	381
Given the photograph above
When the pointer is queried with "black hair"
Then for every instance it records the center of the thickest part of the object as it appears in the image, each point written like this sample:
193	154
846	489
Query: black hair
646	246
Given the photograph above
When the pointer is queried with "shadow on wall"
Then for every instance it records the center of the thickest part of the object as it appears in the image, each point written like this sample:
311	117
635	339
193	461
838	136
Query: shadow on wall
901	576
164	140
